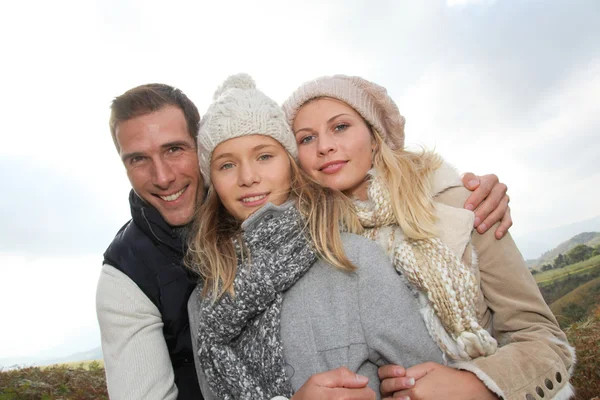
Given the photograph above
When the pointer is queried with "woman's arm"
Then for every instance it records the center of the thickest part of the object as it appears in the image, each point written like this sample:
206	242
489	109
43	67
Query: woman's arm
534	357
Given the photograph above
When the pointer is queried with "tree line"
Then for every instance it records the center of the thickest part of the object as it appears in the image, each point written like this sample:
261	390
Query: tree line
579	253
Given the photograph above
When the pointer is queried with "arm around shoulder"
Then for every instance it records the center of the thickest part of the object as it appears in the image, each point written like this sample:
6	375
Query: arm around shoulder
136	358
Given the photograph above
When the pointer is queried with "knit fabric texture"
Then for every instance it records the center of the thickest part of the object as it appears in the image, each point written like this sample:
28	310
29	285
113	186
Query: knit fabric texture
434	270
369	99
240	109
239	338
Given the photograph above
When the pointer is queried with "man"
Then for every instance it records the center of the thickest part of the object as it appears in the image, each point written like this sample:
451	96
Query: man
144	287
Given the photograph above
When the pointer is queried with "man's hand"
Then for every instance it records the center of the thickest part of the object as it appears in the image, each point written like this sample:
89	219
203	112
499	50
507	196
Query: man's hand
436	381
489	201
337	384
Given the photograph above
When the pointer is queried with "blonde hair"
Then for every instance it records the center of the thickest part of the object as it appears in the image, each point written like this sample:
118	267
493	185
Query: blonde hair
212	253
407	175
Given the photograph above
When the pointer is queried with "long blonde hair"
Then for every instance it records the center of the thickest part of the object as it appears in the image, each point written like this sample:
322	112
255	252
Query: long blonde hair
212	252
407	175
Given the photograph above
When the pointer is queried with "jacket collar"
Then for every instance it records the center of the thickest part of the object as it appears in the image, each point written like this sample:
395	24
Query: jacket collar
445	177
454	225
151	222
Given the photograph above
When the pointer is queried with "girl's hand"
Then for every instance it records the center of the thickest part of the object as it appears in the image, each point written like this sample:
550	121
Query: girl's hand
340	383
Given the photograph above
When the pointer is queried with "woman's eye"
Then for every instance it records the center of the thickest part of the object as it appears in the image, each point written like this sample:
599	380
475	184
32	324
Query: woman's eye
307	139
265	157
341	127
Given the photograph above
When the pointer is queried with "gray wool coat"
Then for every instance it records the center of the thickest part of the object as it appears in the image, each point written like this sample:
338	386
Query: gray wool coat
331	318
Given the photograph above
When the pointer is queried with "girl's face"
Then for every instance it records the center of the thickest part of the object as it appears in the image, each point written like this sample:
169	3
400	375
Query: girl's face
248	172
335	145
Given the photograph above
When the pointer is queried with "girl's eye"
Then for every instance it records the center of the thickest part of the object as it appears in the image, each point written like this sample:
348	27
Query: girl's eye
265	157
226	166
307	139
341	127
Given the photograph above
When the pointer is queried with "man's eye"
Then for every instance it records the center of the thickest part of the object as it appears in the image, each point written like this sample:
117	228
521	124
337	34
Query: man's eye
174	149
135	160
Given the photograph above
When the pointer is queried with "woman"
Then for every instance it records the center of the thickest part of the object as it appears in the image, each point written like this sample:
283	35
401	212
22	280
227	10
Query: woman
478	299
285	295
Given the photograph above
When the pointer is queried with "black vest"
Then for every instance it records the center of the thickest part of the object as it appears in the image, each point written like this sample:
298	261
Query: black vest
150	252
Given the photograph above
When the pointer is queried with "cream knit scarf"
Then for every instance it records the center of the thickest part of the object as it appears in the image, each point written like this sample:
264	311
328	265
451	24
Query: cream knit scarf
435	272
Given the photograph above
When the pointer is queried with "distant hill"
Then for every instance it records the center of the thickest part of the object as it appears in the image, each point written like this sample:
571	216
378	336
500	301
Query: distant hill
534	244
588	238
93	354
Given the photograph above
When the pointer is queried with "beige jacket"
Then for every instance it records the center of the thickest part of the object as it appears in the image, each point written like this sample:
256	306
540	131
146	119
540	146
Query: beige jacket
534	359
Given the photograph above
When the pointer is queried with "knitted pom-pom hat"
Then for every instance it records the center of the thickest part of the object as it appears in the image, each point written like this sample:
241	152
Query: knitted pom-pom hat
239	109
370	100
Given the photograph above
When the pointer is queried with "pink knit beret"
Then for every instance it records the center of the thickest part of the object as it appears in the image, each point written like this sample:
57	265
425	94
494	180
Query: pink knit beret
370	100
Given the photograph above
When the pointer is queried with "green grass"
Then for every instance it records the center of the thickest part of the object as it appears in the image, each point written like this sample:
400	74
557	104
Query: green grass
546	277
577	304
552	290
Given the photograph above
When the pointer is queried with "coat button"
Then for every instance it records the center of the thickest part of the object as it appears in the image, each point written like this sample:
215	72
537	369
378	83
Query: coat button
529	397
539	391
558	377
549	384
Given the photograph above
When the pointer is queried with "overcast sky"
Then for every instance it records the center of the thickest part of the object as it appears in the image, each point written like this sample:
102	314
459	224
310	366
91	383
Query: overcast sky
510	87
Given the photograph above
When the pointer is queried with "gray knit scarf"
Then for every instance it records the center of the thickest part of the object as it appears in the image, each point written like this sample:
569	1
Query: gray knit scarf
239	337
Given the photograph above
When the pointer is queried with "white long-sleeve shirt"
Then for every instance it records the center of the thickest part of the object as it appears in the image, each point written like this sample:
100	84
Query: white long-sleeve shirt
136	357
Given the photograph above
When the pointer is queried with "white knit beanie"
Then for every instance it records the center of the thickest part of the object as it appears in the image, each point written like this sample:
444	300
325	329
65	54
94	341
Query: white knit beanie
370	100
239	109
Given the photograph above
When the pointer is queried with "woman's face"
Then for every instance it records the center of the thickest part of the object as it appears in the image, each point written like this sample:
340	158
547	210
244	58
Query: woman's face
335	145
248	172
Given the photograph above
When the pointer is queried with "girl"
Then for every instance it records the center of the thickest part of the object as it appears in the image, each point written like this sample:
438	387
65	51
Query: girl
478	300
284	294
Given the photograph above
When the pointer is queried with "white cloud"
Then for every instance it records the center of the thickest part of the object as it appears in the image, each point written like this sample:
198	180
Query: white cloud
48	305
548	156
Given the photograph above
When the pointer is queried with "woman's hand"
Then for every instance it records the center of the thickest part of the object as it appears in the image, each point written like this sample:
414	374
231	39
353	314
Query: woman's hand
340	383
435	381
393	379
489	201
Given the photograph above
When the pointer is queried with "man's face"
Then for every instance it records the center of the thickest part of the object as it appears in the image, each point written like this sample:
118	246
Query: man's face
162	163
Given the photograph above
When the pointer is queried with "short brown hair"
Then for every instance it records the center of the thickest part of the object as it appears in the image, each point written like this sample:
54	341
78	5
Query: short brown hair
148	98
